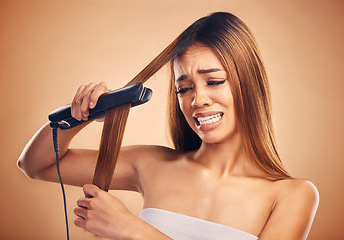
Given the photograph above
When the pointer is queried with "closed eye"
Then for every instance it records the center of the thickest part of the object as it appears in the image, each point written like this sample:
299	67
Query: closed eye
183	90
213	82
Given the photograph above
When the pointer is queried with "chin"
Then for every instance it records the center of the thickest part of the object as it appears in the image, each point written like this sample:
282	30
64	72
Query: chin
217	137
211	139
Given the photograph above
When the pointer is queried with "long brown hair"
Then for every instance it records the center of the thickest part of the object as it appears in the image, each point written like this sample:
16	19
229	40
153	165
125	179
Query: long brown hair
233	42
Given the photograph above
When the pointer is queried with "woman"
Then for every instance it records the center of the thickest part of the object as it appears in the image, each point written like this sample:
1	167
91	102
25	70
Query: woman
223	179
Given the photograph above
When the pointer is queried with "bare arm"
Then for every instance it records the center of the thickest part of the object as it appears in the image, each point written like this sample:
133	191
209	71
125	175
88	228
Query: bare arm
293	213
39	155
99	212
77	165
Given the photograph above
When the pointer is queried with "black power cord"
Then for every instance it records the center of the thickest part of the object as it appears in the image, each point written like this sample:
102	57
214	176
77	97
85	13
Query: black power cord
54	127
61	118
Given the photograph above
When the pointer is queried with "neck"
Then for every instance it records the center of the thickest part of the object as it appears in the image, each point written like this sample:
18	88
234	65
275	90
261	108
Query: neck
224	159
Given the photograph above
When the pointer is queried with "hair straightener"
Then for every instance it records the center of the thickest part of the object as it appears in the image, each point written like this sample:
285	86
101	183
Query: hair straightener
62	118
136	94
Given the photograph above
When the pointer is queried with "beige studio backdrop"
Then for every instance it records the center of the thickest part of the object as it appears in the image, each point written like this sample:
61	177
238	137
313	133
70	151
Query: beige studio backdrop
50	47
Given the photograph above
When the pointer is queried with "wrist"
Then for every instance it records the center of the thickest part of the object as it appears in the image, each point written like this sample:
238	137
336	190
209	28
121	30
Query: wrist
141	230
145	231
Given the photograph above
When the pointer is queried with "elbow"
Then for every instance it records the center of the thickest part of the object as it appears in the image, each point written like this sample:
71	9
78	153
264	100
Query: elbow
25	168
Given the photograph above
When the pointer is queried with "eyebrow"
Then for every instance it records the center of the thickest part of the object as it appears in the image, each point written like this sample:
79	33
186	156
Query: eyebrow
210	70
200	71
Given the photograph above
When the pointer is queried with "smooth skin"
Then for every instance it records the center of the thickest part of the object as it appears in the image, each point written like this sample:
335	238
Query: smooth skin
218	182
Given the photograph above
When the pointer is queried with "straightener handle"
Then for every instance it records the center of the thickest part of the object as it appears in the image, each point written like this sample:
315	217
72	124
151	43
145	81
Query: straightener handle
136	94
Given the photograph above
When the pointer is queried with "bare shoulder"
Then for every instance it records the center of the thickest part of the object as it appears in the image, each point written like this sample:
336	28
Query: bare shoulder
294	210
297	189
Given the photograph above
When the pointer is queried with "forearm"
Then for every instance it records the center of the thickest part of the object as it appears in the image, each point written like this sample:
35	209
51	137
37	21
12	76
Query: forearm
39	152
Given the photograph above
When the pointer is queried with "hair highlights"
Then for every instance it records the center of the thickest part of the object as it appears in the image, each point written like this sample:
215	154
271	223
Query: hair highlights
231	39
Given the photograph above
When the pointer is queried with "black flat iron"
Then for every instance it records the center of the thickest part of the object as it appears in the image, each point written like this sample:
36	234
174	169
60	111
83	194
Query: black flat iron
62	118
136	94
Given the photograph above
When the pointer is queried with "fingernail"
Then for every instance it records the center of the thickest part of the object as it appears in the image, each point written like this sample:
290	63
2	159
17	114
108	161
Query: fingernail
85	115
91	104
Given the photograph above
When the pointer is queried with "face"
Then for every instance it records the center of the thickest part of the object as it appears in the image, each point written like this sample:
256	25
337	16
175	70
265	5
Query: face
204	94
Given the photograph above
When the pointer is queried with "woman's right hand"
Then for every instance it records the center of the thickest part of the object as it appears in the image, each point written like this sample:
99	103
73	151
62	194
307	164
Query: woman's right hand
38	159
85	98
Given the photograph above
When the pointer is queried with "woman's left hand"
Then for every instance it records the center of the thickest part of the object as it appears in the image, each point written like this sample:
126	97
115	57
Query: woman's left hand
102	214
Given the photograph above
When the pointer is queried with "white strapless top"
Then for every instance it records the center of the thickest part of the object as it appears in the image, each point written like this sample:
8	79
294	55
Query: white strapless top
181	227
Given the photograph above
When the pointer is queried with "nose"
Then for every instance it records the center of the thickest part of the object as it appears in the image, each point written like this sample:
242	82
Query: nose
200	98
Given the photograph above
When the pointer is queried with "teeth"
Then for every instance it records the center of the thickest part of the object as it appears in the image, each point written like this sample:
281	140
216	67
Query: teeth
209	119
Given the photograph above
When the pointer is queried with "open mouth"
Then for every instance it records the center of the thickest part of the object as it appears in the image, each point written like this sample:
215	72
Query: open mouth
201	121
